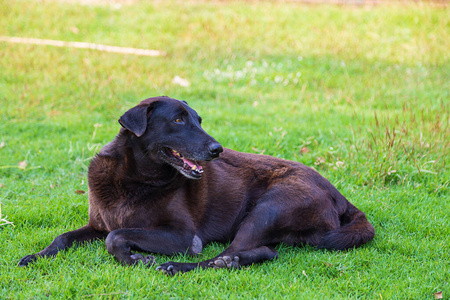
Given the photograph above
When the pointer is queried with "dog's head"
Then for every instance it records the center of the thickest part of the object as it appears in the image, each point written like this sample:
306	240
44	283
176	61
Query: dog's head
171	129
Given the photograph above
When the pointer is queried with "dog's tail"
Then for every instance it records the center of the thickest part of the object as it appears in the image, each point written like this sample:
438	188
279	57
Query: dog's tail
355	230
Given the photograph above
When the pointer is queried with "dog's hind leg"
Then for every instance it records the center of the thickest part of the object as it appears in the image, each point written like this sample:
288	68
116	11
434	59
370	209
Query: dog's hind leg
63	242
252	244
121	242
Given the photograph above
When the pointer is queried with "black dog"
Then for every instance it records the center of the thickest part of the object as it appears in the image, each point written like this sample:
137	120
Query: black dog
156	188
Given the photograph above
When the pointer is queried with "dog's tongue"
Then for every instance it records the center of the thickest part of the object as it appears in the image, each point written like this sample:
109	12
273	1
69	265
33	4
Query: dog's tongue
192	164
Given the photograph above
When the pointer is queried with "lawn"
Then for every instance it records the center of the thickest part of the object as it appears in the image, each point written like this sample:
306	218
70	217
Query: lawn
361	93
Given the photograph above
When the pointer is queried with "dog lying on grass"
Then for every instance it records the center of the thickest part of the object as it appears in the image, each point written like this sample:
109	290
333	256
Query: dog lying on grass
163	185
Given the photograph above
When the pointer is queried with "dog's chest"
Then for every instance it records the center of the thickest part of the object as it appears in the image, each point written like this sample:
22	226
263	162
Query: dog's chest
127	215
114	210
139	209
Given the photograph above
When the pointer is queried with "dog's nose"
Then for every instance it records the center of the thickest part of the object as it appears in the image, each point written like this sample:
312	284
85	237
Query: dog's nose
215	149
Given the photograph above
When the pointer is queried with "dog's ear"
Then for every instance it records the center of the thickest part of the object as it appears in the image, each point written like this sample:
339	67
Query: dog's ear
135	119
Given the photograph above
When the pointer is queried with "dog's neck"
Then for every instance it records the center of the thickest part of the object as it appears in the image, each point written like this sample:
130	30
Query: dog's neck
147	167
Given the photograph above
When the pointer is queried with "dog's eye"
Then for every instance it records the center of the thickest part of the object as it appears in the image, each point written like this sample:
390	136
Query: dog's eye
178	121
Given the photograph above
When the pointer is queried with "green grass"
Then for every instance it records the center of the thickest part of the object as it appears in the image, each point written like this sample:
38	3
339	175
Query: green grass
360	93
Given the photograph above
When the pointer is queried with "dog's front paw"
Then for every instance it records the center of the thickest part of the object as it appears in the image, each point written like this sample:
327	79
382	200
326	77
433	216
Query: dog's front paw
229	262
148	260
27	260
172	268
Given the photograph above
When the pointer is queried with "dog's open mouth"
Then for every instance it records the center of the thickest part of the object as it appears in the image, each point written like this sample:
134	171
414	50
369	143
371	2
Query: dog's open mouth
189	168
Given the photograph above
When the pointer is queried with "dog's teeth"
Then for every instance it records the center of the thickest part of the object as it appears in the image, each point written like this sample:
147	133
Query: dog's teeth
176	153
